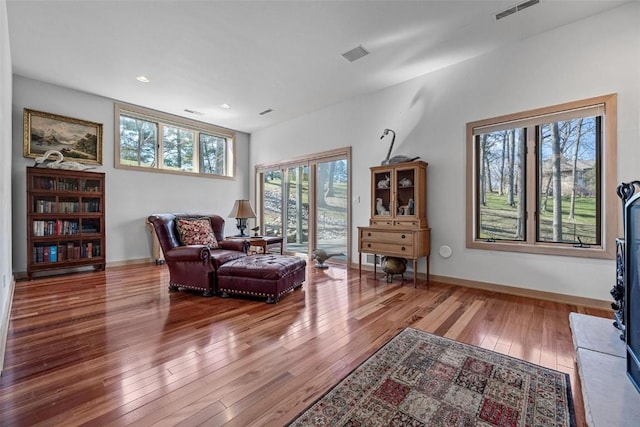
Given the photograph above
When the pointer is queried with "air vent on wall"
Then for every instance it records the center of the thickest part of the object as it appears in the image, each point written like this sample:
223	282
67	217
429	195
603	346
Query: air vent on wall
516	8
355	53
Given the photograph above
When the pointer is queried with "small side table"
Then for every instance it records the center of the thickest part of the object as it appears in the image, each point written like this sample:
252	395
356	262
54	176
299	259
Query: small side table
262	242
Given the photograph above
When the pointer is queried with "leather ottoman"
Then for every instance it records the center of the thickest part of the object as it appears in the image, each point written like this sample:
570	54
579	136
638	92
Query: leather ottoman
265	276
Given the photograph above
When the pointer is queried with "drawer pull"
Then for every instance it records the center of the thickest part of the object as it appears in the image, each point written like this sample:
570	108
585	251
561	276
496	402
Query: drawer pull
369	234
404	249
403	236
368	245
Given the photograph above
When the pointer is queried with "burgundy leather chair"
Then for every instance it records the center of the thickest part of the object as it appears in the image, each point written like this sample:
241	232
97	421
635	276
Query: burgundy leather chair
194	266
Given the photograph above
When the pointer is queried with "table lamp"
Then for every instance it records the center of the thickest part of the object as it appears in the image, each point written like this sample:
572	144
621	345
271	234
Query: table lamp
241	212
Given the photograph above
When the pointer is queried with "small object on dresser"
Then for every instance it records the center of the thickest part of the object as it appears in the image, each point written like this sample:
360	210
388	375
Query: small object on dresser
405	182
397	158
384	183
60	163
380	209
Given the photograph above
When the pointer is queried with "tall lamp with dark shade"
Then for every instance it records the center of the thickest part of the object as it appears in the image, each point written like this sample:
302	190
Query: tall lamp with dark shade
241	212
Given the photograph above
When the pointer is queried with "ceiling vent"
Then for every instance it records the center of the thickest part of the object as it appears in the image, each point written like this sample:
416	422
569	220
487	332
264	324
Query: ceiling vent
267	111
198	113
516	8
355	54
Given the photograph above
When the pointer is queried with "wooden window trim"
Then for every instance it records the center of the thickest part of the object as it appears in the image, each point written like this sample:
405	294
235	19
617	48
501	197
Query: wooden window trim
610	213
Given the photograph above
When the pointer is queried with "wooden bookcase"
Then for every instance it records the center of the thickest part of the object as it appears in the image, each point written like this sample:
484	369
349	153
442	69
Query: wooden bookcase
65	219
398	225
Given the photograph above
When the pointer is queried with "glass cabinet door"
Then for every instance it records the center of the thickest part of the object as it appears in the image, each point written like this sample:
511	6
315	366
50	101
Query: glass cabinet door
405	192
383	202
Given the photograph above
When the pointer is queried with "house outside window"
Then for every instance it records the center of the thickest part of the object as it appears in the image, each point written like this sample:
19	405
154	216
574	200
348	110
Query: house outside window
544	181
160	142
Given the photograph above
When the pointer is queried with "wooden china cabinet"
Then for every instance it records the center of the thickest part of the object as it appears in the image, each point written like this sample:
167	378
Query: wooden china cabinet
398	225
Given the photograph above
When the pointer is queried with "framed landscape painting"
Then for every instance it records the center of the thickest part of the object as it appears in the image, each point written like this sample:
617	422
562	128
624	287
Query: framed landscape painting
76	139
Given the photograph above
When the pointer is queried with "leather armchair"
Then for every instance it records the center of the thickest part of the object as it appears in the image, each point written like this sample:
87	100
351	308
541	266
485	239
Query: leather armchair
194	266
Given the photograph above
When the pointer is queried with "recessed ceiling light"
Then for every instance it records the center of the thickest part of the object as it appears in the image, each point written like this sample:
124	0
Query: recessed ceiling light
225	106
143	79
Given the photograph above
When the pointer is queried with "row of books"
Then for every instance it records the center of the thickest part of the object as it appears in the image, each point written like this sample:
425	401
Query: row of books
64	252
47	206
45	183
61	227
44	206
55	227
91	186
91	206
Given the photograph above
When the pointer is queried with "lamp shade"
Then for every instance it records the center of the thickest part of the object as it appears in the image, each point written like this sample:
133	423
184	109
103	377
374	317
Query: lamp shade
242	209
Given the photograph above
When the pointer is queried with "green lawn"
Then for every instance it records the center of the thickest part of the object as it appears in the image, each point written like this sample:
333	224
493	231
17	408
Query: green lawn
499	220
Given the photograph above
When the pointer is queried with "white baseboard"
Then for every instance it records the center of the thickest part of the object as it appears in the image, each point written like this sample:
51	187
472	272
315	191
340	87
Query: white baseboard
509	290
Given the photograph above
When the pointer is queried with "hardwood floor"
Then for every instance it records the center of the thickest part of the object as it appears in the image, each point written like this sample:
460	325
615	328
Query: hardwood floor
116	348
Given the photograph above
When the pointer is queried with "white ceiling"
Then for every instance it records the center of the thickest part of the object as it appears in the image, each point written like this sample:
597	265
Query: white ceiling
256	55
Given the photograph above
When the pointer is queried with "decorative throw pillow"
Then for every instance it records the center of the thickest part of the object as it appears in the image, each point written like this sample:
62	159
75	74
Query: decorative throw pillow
196	231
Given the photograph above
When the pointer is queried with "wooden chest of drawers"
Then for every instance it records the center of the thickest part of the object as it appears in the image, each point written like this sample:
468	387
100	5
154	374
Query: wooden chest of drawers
404	243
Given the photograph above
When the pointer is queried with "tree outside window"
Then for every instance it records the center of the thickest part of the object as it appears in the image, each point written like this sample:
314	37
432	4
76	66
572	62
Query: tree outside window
543	181
150	140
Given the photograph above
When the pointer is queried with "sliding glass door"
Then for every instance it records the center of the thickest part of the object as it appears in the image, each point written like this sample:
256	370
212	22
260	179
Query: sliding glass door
296	214
306	202
271	221
331	207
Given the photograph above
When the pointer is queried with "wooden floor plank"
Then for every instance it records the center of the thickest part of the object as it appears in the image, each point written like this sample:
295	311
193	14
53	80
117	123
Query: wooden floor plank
116	348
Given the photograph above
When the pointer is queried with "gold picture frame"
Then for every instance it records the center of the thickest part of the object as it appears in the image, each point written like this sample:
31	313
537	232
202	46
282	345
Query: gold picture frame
79	140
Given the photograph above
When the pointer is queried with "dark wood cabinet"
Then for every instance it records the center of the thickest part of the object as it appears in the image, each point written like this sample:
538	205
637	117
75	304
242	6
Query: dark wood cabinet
65	219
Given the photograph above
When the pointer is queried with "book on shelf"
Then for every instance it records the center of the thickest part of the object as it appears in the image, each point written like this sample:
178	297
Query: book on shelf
53	253
70	251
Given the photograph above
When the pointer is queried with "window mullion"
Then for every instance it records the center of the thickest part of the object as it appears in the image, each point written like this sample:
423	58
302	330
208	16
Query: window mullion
531	190
160	162
196	151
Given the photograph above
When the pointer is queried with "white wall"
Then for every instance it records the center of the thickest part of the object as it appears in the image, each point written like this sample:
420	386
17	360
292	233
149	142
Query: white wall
6	274
130	195
595	56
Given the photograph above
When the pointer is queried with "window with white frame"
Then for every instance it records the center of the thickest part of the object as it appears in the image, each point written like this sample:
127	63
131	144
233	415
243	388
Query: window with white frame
544	181
151	140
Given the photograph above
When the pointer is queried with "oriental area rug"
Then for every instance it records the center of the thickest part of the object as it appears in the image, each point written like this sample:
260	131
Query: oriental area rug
420	379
